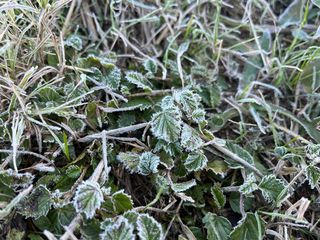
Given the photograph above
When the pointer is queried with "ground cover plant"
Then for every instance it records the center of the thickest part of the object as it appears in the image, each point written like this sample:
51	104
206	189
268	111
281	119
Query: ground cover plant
132	119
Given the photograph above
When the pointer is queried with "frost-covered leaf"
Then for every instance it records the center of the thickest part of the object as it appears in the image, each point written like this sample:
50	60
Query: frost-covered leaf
150	66
218	228
251	227
293	14
73	171
48	94
148	163
74	41
166	125
37	204
173	149
168	103
88	198
130	160
316	2
184	186
240	152
313	151
188	100
190	139
211	95
122	202
91	60
217	166
272	188
131	216
118	230
16	180
149	228
313	175
196	161
249	185
113	78
139	80
199	116
218	196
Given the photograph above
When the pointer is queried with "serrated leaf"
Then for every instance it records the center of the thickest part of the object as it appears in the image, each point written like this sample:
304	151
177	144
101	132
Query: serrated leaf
188	100
199	115
195	161
168	103
166	125
251	227
218	167
190	139
138	79
88	198
149	228
148	163
211	95
218	228
218	196
130	160
16	180
172	149
113	78
119	230
73	171
181	187
48	94
240	152
131	216
37	204
249	185
150	66
271	188
122	202
313	175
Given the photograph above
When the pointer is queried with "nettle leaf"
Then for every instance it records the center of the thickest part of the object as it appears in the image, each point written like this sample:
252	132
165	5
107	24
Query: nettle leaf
184	186
113	78
166	125
240	152
48	94
96	61
122	202
139	80
16	180
88	198
37	204
313	175
188	100
249	185
218	196
118	230
190	139
251	227
74	41
199	116
149	228
272	188
150	66
218	228
195	161
172	149
130	160
148	163
131	216
168	103
73	171
313	151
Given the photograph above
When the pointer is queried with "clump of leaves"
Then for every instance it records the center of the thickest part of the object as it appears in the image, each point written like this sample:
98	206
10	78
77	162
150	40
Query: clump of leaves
121	119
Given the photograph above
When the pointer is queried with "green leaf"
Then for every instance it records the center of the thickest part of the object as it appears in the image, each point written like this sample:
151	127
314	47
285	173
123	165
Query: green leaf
190	139
74	41
148	163
88	198
166	125
73	171
122	202
218	228
272	188
113	78
313	175
139	80
131	216
240	152
249	185
195	161
211	95
119	230
251	227
293	14
48	94
37	204
316	2
150	66
218	196
130	160
188	100
181	187
149	228
16	180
